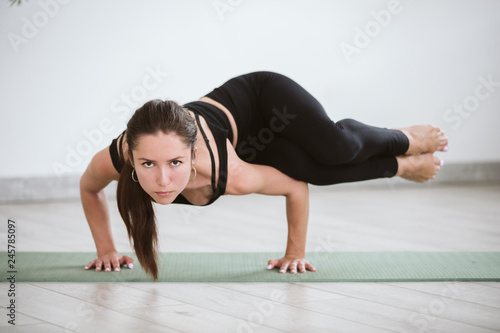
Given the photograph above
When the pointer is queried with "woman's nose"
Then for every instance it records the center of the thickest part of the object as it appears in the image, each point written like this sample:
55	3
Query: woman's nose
163	177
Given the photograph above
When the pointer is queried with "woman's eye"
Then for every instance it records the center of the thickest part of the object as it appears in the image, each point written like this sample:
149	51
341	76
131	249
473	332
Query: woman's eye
175	163
148	164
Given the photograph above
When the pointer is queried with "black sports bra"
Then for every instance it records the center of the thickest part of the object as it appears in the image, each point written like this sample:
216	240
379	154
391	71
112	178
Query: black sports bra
221	130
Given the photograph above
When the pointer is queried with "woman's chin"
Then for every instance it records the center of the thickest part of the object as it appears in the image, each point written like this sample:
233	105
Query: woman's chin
164	198
163	203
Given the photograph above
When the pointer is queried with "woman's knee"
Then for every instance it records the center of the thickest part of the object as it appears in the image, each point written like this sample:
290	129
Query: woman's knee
338	151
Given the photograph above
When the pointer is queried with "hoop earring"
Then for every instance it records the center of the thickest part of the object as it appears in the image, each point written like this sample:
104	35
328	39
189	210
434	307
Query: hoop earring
194	173
133	170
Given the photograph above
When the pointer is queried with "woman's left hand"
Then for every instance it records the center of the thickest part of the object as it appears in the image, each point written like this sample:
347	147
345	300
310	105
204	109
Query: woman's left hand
291	263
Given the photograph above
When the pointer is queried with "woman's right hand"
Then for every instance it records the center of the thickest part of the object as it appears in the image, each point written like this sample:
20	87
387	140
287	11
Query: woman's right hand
111	259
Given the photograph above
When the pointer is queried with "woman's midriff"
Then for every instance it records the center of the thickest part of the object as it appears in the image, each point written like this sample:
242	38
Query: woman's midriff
228	115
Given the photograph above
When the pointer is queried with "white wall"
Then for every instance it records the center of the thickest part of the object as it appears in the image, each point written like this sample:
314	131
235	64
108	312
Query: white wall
67	66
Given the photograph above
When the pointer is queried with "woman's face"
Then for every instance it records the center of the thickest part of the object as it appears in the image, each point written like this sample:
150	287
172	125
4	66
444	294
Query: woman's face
163	165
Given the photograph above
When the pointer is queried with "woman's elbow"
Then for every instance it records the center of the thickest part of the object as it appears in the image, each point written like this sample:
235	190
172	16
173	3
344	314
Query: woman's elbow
299	191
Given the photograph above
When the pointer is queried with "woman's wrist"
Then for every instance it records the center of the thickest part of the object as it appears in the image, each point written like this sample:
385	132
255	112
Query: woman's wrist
104	250
293	251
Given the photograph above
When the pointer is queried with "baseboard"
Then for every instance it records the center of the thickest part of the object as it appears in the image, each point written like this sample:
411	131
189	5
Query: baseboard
40	189
486	172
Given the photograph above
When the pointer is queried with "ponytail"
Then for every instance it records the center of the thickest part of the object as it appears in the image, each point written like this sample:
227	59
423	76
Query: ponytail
136	208
134	204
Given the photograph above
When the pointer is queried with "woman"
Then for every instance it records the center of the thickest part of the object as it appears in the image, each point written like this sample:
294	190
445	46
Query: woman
258	133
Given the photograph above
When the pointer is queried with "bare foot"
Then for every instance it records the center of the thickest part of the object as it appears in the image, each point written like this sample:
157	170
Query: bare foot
425	139
418	168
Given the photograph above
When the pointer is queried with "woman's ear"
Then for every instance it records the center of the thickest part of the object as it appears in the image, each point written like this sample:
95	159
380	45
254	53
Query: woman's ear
130	159
195	152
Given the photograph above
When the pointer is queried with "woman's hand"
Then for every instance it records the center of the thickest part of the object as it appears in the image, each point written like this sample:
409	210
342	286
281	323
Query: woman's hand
291	262
110	259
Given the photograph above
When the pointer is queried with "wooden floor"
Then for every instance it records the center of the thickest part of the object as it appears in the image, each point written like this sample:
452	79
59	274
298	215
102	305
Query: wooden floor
390	217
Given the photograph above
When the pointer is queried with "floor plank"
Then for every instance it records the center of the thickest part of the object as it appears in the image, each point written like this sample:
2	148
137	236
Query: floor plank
385	316
470	292
31	328
74	314
111	295
424	307
255	311
191	318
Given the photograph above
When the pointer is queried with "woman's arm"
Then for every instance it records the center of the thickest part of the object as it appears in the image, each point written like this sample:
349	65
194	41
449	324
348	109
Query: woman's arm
249	178
98	175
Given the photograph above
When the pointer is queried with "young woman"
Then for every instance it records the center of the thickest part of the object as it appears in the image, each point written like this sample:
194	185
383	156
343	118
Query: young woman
258	133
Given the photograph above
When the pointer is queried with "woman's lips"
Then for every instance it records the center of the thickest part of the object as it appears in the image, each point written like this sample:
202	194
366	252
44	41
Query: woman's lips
164	194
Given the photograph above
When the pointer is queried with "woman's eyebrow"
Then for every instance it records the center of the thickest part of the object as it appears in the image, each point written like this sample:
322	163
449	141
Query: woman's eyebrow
180	157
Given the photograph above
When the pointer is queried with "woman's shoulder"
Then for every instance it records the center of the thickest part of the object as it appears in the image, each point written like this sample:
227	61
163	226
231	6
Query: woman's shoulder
99	173
118	150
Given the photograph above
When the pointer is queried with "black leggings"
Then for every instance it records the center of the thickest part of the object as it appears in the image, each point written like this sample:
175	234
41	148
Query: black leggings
281	125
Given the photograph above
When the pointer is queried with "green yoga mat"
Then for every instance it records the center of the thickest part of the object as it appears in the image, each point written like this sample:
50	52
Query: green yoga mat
251	267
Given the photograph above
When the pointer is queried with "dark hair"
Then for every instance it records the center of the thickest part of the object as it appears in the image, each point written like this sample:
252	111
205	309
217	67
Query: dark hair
134	204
